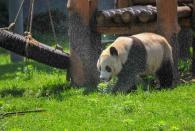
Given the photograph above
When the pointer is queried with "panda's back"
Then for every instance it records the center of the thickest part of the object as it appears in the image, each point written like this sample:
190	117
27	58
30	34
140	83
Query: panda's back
157	49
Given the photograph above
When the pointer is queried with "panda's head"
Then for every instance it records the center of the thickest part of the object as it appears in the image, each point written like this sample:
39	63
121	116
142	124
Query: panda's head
109	63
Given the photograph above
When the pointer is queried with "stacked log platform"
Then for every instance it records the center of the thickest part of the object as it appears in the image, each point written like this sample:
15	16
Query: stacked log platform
136	19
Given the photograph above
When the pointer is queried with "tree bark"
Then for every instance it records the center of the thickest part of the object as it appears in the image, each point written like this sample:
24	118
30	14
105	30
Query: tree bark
168	26
193	43
85	43
33	50
14	5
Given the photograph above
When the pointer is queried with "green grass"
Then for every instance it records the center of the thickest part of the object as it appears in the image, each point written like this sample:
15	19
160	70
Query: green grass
30	85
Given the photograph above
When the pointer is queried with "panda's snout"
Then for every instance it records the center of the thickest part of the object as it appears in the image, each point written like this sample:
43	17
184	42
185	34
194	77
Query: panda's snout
103	78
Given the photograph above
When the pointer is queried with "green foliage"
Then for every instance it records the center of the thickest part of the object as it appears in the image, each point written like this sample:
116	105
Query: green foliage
191	51
48	38
41	22
3	14
184	66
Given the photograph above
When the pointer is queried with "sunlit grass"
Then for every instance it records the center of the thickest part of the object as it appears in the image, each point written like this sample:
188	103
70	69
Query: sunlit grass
29	85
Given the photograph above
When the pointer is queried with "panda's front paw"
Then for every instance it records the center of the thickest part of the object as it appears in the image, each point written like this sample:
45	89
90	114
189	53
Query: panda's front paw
114	89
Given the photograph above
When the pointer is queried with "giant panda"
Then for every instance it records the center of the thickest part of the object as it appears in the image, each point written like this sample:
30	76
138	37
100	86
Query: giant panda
136	55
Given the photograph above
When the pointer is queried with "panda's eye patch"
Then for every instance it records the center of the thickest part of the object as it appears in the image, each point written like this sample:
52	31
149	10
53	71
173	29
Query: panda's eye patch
108	69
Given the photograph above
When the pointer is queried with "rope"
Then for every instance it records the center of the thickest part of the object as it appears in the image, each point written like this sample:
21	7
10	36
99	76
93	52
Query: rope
19	11
53	28
31	15
28	20
28	34
12	25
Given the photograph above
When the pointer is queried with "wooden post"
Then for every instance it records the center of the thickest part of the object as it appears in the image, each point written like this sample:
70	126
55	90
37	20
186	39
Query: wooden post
13	10
85	43
193	43
168	27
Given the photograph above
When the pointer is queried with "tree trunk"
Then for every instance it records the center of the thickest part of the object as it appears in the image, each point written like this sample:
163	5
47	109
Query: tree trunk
168	25
85	44
14	5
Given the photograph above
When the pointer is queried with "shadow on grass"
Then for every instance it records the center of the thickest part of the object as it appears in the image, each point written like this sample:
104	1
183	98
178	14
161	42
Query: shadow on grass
54	91
89	90
15	92
13	68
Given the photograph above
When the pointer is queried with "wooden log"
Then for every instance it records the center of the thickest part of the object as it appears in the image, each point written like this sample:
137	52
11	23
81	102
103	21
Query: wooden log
153	2
168	26
85	43
103	17
108	16
148	14
128	16
112	15
132	13
143	14
184	11
33	50
151	12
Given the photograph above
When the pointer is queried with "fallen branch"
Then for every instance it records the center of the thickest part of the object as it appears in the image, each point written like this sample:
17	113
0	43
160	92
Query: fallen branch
6	114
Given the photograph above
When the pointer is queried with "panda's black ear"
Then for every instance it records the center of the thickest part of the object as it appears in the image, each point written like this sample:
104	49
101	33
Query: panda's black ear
113	51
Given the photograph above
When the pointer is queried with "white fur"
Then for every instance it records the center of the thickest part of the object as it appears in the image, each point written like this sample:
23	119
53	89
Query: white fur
157	49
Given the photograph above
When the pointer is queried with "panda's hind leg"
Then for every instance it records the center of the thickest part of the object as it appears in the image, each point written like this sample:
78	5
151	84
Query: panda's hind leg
165	74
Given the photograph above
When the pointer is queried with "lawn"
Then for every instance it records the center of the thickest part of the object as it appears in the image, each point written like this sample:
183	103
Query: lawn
29	86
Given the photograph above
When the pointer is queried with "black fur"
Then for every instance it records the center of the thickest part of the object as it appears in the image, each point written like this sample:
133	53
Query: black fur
113	51
165	74
135	64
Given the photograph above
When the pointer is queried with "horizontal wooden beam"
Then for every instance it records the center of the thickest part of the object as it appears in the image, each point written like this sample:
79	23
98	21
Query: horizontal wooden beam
137	28
153	2
134	29
33	50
